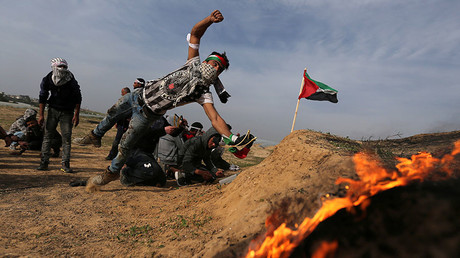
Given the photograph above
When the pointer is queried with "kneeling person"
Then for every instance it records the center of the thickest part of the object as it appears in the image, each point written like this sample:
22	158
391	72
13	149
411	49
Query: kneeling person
142	169
193	154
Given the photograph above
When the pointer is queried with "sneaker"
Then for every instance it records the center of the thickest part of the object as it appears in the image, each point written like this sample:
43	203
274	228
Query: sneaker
90	138
180	178
43	165
66	167
234	167
106	177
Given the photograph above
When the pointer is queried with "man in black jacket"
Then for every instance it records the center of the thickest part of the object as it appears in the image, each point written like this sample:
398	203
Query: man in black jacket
61	92
193	154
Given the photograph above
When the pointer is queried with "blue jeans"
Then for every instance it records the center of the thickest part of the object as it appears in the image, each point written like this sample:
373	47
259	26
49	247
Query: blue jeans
126	106
120	131
123	109
20	136
64	118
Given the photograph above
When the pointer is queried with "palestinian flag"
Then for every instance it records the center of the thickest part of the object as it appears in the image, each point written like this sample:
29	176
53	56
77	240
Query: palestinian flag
316	90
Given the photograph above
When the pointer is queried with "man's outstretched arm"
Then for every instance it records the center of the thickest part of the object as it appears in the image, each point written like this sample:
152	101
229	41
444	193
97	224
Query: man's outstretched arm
216	120
198	31
221	126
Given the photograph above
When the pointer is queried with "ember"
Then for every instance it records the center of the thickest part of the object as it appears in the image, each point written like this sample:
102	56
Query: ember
373	179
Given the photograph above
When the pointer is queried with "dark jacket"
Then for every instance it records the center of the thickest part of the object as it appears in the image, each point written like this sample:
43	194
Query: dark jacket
64	97
195	150
150	139
142	169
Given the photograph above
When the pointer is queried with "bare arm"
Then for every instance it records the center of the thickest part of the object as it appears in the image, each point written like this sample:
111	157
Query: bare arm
76	116
41	113
216	120
200	28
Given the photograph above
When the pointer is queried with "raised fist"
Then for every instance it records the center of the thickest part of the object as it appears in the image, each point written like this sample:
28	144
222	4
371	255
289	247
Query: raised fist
216	16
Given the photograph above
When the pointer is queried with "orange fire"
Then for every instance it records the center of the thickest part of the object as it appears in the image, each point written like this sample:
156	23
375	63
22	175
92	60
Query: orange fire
373	179
326	249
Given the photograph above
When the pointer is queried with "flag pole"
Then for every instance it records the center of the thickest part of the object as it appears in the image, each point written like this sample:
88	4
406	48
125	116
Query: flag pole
295	115
298	100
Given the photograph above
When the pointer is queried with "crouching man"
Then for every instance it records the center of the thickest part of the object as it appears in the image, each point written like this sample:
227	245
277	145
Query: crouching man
195	159
142	169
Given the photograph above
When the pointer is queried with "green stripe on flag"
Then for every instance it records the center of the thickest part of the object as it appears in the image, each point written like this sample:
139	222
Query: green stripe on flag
322	87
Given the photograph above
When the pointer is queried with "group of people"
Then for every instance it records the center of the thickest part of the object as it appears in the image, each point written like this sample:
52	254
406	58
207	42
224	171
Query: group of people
26	134
144	108
170	149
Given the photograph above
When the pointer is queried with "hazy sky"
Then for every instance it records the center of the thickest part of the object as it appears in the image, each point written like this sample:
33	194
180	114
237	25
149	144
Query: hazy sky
396	64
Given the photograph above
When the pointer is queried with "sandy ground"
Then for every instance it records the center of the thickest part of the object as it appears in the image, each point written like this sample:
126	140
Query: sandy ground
43	216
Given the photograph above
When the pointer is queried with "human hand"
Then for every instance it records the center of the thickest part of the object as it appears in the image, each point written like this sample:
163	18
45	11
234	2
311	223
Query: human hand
245	140
170	129
216	16
220	173
207	176
41	120
75	120
183	123
23	144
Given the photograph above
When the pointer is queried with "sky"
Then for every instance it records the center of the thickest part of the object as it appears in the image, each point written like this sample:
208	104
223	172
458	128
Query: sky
395	64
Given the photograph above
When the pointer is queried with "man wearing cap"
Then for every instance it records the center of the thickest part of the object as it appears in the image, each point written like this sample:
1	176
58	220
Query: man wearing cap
61	92
188	84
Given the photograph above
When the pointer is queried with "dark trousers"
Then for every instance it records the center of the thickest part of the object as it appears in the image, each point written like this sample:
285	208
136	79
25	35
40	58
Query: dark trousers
114	150
64	118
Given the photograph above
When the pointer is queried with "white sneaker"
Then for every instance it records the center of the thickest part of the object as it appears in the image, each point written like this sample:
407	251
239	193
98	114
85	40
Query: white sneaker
234	167
180	178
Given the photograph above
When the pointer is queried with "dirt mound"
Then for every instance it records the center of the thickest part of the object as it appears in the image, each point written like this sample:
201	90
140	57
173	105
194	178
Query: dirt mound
304	166
292	181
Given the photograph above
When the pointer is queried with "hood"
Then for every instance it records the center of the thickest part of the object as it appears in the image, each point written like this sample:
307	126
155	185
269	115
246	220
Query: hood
207	135
30	114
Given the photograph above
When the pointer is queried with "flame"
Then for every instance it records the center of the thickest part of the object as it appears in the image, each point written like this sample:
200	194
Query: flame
326	249
373	179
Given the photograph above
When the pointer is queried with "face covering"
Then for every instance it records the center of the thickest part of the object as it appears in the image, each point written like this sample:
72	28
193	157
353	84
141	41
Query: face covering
60	75
208	73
